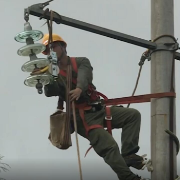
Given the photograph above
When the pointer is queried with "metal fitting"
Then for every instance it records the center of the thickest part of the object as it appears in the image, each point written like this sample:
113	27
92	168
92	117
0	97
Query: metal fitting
166	47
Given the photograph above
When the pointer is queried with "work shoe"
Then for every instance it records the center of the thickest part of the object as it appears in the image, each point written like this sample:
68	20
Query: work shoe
134	161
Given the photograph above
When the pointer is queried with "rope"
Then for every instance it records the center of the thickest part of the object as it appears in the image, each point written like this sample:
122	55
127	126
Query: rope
49	24
69	80
77	143
50	29
68	109
137	81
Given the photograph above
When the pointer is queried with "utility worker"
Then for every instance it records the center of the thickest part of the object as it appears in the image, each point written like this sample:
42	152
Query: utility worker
102	142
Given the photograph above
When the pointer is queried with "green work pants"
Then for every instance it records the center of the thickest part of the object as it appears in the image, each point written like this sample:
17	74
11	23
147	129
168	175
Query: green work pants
104	144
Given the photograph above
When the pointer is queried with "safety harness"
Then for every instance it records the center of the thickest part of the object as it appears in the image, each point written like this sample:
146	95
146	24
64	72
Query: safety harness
94	96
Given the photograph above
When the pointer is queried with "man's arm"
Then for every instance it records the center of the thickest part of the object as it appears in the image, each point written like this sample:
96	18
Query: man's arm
85	75
51	89
60	105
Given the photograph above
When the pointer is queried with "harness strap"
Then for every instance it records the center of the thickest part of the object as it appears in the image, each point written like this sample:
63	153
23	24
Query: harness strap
88	150
108	119
87	128
139	99
74	65
102	95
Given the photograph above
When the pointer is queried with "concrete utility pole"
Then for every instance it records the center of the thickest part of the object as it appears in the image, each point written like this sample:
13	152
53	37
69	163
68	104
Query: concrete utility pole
163	152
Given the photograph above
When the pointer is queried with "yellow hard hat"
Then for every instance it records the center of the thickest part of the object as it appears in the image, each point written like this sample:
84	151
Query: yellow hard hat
55	37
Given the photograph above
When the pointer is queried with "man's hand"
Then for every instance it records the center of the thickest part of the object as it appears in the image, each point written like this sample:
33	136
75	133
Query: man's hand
75	94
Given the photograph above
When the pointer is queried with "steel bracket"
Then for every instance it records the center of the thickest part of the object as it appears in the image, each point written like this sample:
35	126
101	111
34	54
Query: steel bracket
161	47
165	47
37	10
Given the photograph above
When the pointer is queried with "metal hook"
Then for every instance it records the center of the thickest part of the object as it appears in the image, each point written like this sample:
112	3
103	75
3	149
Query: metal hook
46	3
26	14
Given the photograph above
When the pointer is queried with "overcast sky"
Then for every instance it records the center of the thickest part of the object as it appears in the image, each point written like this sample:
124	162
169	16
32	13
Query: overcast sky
24	124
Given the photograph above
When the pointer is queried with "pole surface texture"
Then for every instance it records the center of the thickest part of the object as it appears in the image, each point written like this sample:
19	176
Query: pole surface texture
163	149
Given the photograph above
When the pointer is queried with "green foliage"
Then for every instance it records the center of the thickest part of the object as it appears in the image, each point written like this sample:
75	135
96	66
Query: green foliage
3	166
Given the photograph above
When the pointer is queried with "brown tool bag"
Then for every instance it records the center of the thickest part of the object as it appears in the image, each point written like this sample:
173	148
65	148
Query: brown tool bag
60	134
60	131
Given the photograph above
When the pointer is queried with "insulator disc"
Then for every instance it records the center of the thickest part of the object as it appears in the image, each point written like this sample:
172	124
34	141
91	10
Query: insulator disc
34	34
31	81
31	48
38	63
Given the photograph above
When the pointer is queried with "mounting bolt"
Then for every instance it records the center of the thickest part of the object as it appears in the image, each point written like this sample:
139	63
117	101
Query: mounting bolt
26	14
39	87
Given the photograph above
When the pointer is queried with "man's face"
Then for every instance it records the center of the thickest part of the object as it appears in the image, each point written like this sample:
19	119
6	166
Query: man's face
57	48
